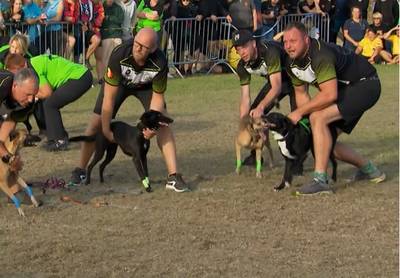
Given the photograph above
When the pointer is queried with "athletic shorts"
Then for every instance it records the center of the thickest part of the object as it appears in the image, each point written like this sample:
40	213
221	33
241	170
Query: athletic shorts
354	99
143	95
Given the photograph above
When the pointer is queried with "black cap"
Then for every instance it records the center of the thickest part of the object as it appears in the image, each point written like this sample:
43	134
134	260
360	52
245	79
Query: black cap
241	37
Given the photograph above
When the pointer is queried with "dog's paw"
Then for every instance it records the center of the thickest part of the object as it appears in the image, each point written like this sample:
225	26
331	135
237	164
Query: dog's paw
35	203
149	189
281	186
237	171
21	212
258	175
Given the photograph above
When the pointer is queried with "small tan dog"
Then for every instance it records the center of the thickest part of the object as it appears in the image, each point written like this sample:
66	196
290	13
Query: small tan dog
9	178
251	136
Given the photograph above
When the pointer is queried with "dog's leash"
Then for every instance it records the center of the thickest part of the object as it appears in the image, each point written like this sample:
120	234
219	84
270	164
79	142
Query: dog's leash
306	124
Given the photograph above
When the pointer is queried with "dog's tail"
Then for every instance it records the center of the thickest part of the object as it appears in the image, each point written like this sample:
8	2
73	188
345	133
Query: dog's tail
83	138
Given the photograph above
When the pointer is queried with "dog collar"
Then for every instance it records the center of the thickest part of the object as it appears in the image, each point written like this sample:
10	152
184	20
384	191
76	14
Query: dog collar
305	123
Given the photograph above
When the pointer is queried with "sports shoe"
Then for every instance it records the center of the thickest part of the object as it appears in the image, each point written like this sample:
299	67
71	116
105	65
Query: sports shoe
57	145
176	182
251	160
315	187
78	176
375	177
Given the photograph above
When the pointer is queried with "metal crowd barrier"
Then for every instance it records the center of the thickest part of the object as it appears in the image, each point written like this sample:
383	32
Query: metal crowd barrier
50	38
199	42
189	41
317	24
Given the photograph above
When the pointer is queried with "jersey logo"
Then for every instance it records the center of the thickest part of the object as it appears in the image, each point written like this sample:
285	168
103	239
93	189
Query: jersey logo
307	74
136	78
109	73
261	70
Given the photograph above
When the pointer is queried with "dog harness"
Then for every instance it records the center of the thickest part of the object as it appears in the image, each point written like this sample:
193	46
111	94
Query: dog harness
305	123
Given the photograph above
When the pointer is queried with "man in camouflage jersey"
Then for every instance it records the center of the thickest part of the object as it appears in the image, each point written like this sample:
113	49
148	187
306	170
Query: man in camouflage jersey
136	68
267	59
347	87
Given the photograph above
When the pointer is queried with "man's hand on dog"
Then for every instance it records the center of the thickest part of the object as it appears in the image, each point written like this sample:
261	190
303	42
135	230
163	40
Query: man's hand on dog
256	112
148	133
109	135
16	164
295	116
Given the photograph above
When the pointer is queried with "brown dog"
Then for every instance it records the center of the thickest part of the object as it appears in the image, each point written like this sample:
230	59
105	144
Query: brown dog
10	178
252	136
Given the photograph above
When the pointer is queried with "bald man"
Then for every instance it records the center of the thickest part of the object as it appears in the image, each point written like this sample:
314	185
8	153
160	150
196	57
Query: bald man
136	67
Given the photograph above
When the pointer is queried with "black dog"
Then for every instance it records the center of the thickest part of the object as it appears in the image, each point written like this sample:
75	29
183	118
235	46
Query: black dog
132	142
294	143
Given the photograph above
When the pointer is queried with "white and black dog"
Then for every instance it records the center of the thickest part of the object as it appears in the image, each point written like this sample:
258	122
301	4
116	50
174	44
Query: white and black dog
294	143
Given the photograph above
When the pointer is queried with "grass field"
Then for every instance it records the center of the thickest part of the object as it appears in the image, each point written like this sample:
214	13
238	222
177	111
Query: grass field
229	225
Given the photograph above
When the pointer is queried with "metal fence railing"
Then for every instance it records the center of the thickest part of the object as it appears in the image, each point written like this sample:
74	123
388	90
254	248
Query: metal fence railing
196	42
52	37
317	24
207	42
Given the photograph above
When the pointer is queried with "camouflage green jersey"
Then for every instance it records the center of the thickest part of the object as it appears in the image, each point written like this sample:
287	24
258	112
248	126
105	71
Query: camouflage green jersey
270	59
324	62
123	70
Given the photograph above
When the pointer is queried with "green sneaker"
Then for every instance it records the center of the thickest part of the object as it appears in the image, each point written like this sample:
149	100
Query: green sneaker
375	177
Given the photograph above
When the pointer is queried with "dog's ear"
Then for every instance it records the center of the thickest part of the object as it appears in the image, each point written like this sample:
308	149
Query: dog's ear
13	135
165	120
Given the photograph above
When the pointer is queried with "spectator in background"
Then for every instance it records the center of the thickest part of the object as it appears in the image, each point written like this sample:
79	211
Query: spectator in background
394	39
183	35
98	17
18	44
170	9
257	5
4	10
371	47
377	24
32	14
16	16
310	6
242	14
96	23
209	30
111	35
291	6
362	4
128	8
327	6
52	34
92	40
271	11
390	11
339	16
354	29
149	14
70	15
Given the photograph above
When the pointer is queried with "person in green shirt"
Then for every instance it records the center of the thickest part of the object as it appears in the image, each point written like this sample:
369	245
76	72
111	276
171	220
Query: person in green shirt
149	14
60	83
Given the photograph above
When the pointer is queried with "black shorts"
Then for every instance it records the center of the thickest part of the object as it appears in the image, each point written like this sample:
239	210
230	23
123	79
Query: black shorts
354	99
143	95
